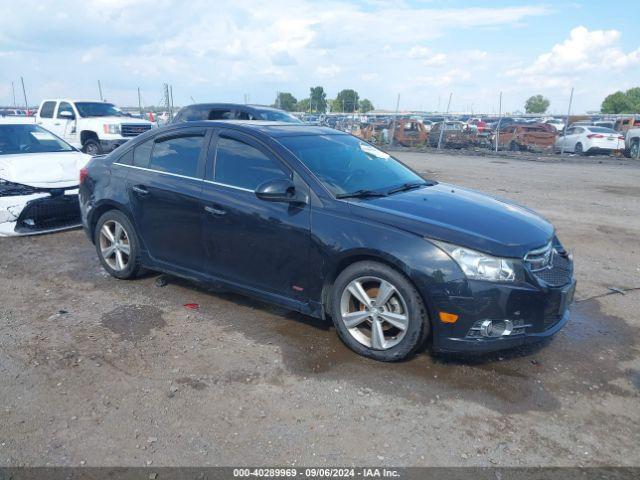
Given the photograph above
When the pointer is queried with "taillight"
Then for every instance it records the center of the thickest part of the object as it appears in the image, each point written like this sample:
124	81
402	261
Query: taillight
620	137
595	135
83	174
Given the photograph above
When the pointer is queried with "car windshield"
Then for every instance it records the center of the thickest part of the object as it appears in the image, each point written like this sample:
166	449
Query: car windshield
276	116
16	139
98	109
602	130
345	164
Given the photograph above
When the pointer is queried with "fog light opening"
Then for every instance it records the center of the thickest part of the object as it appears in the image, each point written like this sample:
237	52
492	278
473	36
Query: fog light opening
496	328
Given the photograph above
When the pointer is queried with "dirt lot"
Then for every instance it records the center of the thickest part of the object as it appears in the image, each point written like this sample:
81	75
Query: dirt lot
98	371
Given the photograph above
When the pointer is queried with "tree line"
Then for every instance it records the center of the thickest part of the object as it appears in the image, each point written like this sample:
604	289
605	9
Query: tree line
346	100
349	101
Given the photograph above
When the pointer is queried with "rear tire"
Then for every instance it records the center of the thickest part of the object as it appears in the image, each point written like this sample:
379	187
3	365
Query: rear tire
389	329
117	245
578	150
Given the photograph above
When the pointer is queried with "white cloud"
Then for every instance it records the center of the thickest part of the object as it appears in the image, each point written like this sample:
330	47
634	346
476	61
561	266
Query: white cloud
583	51
328	70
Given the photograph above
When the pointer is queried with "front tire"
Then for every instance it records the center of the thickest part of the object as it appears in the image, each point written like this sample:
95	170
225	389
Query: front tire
378	313
634	151
92	147
117	245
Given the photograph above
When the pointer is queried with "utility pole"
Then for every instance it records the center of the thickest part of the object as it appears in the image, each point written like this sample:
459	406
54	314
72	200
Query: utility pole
499	121
100	90
171	100
395	118
13	92
24	92
566	124
444	122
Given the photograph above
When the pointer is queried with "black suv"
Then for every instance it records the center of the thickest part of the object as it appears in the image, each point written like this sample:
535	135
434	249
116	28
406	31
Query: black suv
232	111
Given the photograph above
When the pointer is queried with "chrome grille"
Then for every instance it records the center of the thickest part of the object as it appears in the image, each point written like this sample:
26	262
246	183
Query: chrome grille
539	258
550	266
134	129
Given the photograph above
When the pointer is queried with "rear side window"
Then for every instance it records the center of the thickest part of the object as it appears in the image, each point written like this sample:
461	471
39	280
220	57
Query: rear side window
142	154
177	154
241	165
220	114
46	111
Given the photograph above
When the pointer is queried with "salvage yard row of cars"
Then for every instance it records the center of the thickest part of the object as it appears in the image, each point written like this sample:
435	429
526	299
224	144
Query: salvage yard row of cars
582	137
306	217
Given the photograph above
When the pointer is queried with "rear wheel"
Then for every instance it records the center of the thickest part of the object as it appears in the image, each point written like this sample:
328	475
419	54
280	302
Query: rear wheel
514	147
378	313
634	151
578	150
117	245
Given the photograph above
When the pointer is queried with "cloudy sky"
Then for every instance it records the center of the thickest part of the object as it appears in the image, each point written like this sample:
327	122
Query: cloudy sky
225	50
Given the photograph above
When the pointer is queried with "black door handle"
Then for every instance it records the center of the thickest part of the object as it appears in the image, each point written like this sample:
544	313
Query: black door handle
215	211
140	190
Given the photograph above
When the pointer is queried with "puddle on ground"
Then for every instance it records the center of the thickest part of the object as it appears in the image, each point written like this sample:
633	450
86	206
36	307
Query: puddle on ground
584	358
133	322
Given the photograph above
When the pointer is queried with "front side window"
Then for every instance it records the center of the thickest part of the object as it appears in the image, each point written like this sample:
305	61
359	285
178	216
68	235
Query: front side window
98	109
277	116
241	165
346	164
177	154
26	138
65	107
46	111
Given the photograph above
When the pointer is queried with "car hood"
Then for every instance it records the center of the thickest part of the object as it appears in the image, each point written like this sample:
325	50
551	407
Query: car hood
121	120
43	170
461	216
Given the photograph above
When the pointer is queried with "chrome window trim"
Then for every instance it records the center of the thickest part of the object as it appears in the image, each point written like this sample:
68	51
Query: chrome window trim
183	176
242	189
157	171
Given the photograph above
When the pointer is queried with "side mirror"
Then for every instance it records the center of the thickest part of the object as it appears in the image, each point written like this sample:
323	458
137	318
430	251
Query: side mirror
67	114
280	190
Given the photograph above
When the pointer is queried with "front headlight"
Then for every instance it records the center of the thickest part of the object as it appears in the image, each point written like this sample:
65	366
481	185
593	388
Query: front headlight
112	128
480	266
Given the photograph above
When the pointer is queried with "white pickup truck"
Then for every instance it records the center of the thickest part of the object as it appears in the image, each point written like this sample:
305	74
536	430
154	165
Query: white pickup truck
92	126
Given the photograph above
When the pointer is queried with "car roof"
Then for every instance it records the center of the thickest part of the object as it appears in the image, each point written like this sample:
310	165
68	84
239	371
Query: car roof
269	128
230	105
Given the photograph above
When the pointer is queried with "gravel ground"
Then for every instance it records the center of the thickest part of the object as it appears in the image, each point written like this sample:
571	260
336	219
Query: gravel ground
97	371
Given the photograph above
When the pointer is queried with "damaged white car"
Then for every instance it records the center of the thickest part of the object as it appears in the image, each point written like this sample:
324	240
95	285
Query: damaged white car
39	176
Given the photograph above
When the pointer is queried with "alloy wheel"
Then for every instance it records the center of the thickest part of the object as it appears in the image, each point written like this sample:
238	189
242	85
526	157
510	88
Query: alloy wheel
374	312
114	245
635	150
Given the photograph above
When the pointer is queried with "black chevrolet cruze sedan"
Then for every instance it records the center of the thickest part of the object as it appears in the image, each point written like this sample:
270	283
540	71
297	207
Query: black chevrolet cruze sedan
320	222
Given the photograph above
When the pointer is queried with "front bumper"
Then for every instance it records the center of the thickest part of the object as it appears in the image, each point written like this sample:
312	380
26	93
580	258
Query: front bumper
38	213
110	145
543	311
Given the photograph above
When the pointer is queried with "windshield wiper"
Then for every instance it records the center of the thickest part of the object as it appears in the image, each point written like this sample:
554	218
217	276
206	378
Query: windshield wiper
408	186
361	194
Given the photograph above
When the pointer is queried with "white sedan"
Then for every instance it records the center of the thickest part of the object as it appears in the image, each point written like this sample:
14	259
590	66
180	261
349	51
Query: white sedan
585	139
39	176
